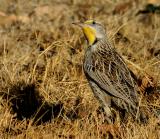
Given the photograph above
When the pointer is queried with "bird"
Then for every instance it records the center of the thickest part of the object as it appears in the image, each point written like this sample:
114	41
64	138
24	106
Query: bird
107	73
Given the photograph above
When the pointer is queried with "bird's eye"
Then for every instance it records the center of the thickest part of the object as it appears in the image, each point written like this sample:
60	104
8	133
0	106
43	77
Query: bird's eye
93	22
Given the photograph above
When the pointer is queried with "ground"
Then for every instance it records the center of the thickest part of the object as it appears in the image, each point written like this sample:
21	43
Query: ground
43	90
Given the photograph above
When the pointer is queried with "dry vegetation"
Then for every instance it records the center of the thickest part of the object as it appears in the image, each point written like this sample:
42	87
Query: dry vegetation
44	93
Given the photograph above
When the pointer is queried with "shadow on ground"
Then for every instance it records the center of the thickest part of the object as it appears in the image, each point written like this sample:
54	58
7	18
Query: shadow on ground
27	103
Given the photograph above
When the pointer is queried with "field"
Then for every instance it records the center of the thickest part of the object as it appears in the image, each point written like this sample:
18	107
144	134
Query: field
43	90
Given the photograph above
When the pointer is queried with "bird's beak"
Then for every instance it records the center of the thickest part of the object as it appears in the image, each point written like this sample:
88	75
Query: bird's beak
80	24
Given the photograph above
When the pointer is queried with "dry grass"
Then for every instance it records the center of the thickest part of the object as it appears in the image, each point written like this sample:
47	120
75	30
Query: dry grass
41	53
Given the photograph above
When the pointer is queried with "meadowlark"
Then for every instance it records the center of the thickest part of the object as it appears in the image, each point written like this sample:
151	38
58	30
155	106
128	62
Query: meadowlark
107	72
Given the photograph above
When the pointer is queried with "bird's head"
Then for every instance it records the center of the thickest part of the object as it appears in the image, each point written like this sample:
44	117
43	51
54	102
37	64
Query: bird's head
92	30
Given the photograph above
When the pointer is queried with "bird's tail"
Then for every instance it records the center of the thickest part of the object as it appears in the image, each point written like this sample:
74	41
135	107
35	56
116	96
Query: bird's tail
138	114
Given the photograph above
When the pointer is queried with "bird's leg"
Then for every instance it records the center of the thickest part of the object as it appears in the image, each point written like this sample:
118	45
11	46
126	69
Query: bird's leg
107	109
108	114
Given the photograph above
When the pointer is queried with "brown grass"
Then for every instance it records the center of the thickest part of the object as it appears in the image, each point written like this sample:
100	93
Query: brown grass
40	47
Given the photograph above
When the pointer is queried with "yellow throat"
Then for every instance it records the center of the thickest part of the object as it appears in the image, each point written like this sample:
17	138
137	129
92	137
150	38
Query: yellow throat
90	34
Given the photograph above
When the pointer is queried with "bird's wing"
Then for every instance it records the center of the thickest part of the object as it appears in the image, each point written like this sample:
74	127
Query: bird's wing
112	75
